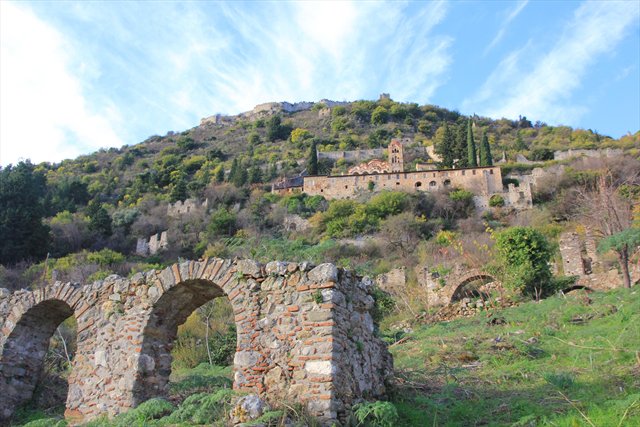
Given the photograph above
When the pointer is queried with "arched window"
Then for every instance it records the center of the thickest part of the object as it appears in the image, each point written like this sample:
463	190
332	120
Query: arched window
418	184
447	182
432	184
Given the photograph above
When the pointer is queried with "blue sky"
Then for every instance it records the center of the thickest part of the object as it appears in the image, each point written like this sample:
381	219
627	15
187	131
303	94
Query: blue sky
78	76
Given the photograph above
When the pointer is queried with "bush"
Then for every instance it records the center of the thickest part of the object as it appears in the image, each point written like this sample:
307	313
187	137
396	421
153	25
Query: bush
376	414
524	254
222	223
496	201
152	409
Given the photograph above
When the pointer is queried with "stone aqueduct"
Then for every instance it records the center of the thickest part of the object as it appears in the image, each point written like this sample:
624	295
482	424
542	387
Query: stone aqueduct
303	334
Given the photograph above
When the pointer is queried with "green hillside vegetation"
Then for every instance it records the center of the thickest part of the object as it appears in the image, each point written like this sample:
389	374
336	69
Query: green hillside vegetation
78	220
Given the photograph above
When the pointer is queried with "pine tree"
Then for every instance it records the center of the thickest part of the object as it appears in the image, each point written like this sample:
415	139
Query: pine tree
471	146
486	159
312	160
446	146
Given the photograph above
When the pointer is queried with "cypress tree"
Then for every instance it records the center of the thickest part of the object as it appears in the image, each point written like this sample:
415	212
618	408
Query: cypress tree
460	151
234	171
471	146
486	159
312	161
446	146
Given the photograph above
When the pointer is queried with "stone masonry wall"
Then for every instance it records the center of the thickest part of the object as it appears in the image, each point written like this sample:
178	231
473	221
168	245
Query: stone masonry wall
303	334
486	180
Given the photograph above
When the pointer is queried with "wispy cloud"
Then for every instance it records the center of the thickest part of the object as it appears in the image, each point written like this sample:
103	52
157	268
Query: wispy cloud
43	108
515	11
163	66
541	85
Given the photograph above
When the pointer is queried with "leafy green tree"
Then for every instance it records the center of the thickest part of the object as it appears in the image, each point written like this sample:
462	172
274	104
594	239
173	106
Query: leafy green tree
312	159
254	175
23	235
445	142
486	159
519	144
241	175
471	146
99	219
624	244
276	130
179	189
219	174
253	138
299	135
222	223
379	116
525	253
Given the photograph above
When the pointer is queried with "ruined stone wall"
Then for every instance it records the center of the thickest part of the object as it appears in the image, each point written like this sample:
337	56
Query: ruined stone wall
153	245
579	258
180	208
606	152
486	180
303	334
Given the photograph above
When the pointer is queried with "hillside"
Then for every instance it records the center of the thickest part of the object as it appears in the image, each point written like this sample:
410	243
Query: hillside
206	192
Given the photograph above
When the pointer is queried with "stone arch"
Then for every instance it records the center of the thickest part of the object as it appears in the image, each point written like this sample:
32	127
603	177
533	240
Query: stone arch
418	184
25	339
462	282
191	286
577	288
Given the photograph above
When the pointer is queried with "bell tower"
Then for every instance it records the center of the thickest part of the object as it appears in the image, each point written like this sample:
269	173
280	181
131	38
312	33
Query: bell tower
396	156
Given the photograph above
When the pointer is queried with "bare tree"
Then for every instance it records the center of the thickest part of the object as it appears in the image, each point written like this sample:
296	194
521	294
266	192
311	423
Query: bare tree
606	207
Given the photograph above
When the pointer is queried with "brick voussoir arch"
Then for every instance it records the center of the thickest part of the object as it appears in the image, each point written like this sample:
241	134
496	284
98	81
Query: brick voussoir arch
304	334
29	319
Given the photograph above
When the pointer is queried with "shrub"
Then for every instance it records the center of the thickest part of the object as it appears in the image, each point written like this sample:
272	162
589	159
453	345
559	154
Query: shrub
524	254
105	257
376	414
496	201
152	409
222	223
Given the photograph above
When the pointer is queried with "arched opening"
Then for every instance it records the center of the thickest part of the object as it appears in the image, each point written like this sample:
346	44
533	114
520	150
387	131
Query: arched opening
576	288
472	287
418	184
183	332
447	182
432	184
37	358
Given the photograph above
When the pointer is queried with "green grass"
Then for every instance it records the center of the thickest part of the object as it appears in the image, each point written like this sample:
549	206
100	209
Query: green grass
567	361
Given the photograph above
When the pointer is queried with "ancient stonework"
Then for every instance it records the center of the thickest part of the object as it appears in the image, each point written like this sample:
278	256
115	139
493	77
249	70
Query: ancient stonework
153	245
303	334
579	258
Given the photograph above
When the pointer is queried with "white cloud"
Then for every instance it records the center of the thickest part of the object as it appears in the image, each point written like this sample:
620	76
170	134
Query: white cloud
505	24
541	86
44	114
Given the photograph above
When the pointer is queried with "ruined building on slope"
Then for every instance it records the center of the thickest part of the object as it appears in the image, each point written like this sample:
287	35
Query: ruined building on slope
378	175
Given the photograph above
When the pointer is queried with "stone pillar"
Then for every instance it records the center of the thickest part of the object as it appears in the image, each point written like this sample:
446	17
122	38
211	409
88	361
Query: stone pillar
571	251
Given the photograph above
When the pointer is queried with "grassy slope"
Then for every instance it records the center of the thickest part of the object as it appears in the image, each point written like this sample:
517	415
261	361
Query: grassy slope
543	366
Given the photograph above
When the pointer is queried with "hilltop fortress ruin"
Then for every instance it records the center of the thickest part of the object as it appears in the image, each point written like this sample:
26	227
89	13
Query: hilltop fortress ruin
378	175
